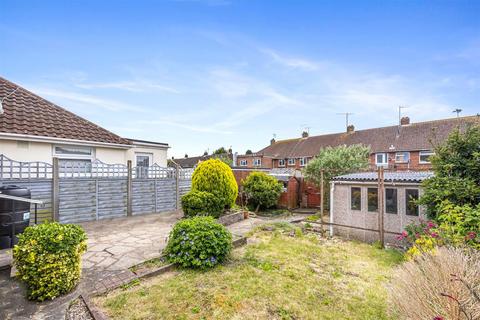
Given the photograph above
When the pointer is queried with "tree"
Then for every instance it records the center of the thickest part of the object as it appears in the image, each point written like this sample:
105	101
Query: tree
225	159
456	164
248	151
220	150
336	161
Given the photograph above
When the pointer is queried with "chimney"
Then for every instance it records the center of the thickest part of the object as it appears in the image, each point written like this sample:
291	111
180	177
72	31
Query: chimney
304	134
272	141
350	128
405	121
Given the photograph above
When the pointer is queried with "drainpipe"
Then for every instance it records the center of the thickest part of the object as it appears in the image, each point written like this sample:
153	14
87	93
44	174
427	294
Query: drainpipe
332	189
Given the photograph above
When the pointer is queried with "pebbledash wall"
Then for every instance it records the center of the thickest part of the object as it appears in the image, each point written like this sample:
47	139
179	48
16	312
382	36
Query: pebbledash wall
77	192
394	223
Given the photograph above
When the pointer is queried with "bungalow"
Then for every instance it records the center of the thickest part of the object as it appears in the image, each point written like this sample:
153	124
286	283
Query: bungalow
406	146
34	129
354	208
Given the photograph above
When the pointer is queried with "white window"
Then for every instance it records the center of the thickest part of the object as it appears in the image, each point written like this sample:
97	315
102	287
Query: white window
281	163
74	158
291	161
143	159
243	163
425	156
402	157
381	159
257	162
303	162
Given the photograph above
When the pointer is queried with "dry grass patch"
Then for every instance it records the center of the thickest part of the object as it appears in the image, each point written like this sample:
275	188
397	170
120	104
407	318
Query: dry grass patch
281	275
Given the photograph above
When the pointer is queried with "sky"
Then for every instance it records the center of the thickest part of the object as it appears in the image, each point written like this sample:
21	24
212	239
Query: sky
200	74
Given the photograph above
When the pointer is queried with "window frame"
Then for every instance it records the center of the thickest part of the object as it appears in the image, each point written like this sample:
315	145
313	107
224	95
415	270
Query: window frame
425	152
281	162
385	158
303	161
291	161
144	154
257	162
351	199
368	199
73	156
404	153
396	200
407	202
243	163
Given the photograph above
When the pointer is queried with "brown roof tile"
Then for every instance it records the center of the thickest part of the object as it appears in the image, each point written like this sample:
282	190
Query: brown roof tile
415	136
26	113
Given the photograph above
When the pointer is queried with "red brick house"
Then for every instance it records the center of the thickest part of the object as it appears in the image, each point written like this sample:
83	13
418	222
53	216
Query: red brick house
402	147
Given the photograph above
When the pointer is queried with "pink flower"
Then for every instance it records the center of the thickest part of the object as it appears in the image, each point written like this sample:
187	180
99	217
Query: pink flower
438	318
471	235
430	224
434	234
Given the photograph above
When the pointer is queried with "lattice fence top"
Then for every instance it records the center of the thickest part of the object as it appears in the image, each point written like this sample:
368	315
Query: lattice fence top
11	169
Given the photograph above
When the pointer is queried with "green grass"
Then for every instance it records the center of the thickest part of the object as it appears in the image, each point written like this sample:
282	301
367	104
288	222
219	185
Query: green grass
281	275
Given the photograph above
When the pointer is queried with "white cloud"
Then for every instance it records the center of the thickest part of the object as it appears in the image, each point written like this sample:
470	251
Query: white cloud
132	86
291	62
85	100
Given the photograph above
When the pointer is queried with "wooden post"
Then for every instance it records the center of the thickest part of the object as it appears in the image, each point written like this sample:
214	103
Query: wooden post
321	194
381	206
55	190
129	188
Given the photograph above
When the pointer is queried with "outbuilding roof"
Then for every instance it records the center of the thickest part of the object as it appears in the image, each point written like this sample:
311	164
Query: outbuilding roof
25	113
389	176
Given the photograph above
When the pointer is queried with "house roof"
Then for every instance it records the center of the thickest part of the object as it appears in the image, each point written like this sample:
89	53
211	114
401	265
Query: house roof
25	113
191	162
148	143
414	136
389	176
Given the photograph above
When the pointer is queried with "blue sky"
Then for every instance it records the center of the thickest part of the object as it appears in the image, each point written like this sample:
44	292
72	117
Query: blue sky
208	73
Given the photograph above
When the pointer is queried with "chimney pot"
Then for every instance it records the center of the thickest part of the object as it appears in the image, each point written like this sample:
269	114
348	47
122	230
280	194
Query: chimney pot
304	134
405	121
350	128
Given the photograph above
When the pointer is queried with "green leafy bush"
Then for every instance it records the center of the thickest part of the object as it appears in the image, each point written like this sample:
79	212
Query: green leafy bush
48	259
262	190
198	242
216	177
201	203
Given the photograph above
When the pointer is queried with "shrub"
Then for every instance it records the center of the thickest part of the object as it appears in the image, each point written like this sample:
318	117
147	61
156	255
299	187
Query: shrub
48	259
216	177
201	203
262	190
440	285
198	242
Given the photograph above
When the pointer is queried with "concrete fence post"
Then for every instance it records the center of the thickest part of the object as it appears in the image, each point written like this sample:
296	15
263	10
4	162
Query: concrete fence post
177	186
55	190
129	188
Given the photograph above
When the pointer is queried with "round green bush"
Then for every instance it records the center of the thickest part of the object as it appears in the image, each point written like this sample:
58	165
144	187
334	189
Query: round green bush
198	242
201	203
216	177
48	259
262	190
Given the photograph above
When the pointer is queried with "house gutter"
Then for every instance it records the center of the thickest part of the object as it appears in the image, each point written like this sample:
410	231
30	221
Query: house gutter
26	137
332	189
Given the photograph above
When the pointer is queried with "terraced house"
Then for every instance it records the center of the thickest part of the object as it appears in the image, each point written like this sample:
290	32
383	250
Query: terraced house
406	146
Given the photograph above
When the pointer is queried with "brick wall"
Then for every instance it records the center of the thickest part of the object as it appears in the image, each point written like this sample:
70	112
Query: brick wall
414	163
266	161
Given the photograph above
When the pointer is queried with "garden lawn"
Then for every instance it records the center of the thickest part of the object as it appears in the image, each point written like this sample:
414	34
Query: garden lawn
280	275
